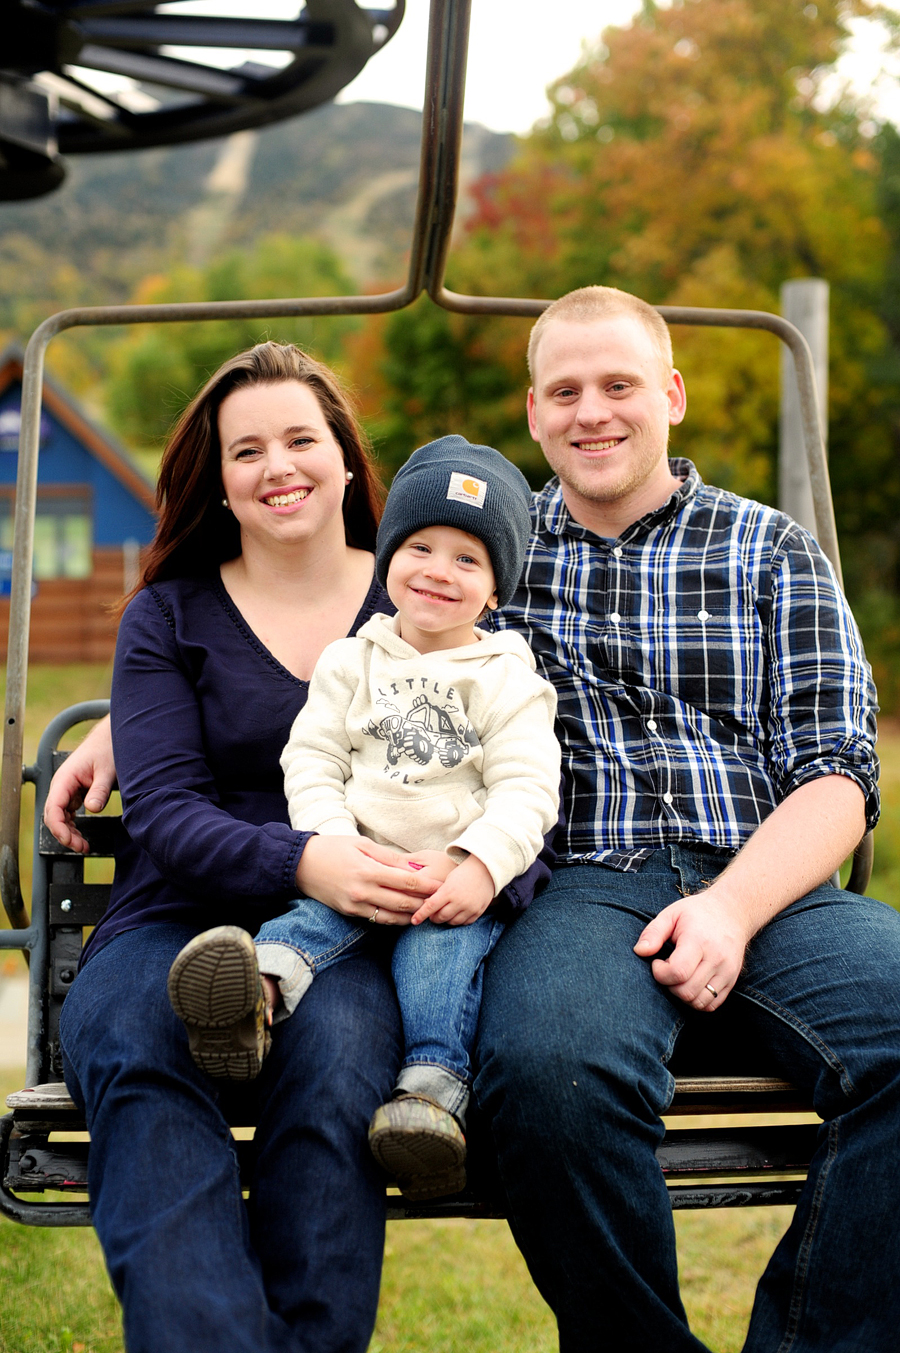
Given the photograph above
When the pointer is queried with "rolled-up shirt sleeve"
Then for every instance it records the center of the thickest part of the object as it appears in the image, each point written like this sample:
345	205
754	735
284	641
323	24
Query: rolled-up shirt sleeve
823	702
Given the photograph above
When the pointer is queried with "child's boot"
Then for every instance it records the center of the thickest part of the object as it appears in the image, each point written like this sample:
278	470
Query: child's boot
420	1145
215	988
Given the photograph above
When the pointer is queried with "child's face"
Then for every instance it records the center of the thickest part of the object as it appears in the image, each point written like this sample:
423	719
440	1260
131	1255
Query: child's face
440	579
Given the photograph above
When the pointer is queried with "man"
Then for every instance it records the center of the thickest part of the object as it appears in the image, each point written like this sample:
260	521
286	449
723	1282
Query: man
717	721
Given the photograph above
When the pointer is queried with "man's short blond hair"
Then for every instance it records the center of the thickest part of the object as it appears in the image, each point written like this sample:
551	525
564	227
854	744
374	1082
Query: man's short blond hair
592	303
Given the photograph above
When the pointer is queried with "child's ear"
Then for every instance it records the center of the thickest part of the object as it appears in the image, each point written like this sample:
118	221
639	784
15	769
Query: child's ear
492	602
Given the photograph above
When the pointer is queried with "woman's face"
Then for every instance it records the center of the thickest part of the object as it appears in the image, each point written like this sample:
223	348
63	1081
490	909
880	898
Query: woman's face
282	470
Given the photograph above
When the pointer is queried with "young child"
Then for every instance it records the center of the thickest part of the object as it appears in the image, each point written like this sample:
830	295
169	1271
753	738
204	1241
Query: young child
429	735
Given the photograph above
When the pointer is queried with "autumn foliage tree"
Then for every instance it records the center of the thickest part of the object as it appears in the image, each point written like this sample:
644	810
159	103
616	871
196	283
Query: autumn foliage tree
693	157
154	370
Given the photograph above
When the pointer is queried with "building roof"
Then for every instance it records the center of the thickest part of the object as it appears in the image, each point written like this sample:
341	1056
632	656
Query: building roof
95	440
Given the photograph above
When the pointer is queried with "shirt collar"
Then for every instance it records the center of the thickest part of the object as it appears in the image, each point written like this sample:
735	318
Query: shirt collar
554	517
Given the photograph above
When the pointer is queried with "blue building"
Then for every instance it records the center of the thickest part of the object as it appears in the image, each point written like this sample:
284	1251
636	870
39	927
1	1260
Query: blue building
95	511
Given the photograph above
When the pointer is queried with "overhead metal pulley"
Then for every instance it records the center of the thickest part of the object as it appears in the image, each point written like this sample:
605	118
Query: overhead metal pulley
86	76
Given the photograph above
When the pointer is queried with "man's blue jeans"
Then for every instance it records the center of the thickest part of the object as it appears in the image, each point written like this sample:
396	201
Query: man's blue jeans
575	1041
438	973
297	1268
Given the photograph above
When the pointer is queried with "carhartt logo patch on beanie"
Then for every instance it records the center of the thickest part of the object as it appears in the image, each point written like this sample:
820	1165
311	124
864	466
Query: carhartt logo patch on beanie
452	482
464	489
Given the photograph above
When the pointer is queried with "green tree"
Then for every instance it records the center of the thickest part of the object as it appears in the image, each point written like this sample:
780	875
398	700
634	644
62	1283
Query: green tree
427	372
155	370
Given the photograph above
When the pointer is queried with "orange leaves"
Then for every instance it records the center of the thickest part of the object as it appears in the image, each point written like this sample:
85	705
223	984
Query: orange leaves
692	127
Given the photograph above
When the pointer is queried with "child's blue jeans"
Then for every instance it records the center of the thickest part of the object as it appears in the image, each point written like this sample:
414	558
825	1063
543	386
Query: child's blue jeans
437	971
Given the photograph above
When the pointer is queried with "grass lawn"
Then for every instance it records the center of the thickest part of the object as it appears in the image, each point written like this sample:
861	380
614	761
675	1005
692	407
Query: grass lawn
448	1286
457	1285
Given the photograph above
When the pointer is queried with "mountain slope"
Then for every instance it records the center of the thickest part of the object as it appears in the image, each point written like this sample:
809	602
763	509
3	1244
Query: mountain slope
346	171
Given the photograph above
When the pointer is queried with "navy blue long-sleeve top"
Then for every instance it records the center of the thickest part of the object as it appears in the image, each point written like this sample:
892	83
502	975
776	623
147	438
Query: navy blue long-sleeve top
200	713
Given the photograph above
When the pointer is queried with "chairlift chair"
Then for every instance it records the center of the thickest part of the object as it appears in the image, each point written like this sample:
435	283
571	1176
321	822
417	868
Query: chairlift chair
42	1145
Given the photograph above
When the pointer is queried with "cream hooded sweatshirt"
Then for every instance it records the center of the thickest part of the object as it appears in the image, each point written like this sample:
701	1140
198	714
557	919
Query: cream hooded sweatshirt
452	750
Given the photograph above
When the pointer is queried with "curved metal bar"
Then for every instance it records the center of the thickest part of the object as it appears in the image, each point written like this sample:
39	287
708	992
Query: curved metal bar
861	868
42	774
813	437
826	530
446	89
517	306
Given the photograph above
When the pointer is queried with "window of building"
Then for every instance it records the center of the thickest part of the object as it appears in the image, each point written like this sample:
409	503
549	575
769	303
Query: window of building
63	534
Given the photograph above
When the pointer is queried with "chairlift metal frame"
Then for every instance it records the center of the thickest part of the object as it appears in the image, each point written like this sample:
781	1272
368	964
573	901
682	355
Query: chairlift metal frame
442	128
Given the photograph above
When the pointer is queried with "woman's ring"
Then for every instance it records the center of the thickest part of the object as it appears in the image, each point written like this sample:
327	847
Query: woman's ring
374	915
708	987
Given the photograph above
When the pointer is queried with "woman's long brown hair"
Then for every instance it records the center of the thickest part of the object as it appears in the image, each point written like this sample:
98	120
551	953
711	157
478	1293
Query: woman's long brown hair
196	533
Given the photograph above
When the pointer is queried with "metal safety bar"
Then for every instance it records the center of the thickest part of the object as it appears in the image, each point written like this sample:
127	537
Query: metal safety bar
442	127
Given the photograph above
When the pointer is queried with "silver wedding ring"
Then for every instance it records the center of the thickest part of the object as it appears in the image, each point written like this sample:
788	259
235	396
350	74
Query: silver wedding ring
374	915
708	987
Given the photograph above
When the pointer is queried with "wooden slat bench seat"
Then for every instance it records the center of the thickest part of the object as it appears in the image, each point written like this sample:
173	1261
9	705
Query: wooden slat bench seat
47	1148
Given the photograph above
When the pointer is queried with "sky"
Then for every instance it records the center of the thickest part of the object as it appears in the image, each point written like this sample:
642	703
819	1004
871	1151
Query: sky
511	62
516	49
511	59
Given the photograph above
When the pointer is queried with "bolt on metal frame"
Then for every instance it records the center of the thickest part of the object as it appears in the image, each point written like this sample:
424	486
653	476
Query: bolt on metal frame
442	127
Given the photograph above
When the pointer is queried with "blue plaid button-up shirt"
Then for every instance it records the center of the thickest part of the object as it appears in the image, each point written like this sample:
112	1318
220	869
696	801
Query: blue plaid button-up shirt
706	663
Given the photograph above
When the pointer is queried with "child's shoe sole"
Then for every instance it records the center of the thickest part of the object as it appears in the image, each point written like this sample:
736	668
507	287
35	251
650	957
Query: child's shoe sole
215	990
420	1145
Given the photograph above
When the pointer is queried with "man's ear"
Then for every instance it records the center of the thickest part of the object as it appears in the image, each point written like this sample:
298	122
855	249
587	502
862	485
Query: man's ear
677	397
532	416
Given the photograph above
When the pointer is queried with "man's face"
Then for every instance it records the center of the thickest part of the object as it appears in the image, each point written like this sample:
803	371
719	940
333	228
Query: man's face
601	407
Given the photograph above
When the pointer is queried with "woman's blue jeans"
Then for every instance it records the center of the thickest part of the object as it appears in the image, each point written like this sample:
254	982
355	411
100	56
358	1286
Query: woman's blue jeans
437	970
297	1267
575	1041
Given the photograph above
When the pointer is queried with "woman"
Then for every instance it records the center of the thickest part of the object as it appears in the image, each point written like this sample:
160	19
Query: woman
262	557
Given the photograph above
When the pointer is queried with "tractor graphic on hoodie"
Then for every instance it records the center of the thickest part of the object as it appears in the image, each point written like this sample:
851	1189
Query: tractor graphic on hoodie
427	730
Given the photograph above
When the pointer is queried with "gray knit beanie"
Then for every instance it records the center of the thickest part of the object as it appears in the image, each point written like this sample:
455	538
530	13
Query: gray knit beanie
450	482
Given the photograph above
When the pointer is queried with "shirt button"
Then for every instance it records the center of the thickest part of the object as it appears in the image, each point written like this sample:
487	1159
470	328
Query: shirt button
667	798
618	551
651	724
615	617
703	615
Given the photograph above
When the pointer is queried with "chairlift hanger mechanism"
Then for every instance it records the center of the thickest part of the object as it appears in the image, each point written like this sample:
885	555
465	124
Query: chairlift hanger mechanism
54	99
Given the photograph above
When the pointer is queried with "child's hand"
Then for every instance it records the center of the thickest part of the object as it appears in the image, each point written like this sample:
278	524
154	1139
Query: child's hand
462	898
433	864
273	996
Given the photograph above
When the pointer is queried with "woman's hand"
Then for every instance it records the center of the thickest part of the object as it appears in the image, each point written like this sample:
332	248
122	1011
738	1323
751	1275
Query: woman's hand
357	877
87	776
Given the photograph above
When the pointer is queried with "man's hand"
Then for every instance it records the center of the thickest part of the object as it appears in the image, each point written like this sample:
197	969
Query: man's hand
796	848
88	776
709	939
462	898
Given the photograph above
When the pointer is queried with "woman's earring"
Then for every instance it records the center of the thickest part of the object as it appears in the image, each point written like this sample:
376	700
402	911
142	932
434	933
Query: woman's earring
225	502
348	476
